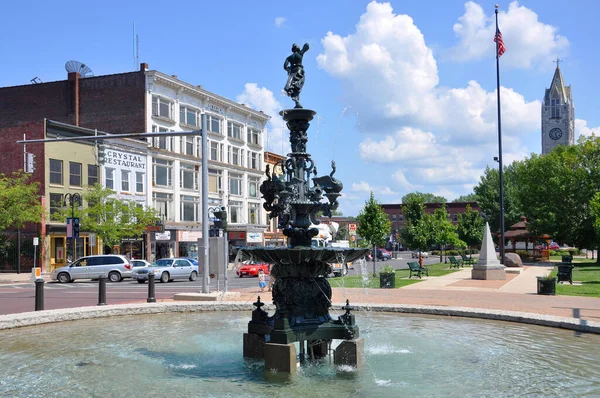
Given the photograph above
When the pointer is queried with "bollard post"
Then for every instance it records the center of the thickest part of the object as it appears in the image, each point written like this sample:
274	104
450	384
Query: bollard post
151	297
102	290
39	294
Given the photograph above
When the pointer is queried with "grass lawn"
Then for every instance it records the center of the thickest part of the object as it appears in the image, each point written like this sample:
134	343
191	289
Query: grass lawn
369	281
588	273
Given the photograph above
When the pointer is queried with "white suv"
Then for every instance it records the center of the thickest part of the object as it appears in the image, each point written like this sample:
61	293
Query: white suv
113	266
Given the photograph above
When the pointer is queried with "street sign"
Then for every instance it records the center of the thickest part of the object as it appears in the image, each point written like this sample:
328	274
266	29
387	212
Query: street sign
92	239
76	228
36	241
352	229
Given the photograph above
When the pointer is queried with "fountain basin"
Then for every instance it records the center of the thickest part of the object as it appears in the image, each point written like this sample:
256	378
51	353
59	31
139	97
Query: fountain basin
199	353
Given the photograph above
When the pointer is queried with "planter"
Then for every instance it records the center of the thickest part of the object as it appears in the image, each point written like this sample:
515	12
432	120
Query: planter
546	286
387	280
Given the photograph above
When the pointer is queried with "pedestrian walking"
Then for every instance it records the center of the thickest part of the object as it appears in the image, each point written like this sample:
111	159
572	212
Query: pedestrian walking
261	281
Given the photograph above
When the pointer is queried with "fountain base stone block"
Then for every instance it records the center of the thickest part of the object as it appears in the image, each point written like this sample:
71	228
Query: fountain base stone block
254	345
489	272
350	353
280	358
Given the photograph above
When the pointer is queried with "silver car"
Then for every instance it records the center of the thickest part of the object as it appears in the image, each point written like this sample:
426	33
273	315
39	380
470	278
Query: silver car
113	266
167	269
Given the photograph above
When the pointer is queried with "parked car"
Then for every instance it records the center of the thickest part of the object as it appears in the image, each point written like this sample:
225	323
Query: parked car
554	246
383	255
415	254
113	266
168	269
192	260
140	263
251	268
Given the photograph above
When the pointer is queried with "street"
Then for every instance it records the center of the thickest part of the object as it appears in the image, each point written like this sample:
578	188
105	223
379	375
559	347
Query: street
21	297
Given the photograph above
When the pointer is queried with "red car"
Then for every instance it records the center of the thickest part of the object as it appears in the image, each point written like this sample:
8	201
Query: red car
251	268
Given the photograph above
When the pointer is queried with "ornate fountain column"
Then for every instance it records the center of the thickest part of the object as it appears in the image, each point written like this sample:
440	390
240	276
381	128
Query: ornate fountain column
301	292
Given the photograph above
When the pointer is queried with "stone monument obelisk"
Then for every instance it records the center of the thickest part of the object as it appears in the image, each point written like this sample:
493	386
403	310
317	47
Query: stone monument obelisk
488	266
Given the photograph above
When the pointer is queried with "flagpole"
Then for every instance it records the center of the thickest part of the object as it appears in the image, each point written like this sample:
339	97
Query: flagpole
500	144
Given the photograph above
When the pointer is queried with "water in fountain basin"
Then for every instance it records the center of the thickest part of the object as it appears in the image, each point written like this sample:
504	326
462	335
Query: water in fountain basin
199	355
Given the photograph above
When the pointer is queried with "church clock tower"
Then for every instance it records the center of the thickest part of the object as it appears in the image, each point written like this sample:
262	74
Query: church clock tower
558	114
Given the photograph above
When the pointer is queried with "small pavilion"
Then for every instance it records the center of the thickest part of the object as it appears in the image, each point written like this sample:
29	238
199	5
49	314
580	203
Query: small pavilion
518	233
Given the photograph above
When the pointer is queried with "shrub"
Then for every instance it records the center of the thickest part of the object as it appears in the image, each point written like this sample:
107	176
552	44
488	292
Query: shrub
435	252
523	254
388	269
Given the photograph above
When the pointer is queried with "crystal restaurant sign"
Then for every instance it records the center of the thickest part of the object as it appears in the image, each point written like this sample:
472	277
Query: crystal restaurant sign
124	160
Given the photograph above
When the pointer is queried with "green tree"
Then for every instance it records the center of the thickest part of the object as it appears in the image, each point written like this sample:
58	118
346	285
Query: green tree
556	190
342	233
19	201
424	197
440	230
488	196
112	219
595	213
470	227
414	234
472	197
373	225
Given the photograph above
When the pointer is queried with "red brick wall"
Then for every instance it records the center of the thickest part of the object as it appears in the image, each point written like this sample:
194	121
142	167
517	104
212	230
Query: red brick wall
113	103
11	155
34	102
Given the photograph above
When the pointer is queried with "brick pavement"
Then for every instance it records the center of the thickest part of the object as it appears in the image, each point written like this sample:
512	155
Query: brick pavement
517	293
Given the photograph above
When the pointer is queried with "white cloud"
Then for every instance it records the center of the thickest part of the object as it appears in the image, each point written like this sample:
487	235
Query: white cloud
365	187
279	21
438	136
263	99
528	41
581	128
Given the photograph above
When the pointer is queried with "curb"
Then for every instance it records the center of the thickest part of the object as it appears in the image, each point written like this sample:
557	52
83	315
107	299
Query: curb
24	319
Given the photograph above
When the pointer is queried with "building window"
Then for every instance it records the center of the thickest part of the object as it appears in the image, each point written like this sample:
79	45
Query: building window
75	174
214	124
139	182
215	181
161	107
56	172
235	184
163	203
253	160
188	116
253	187
162	172
109	178
216	151
234	130
393	218
235	212
189	176
165	143
555	108
233	156
125	180
56	203
253	213
93	171
455	217
253	136
189	208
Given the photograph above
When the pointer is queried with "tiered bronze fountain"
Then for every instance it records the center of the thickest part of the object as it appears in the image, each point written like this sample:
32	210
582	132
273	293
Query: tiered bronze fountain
301	292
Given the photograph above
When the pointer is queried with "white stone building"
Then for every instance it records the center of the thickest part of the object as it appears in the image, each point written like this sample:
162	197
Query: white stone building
235	159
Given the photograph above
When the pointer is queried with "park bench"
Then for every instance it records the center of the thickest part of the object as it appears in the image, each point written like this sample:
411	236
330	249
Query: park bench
467	260
455	263
416	269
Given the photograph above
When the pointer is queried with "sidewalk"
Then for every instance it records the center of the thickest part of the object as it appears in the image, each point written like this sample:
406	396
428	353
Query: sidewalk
20	278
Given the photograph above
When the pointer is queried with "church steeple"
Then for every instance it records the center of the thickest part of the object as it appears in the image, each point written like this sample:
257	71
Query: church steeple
558	114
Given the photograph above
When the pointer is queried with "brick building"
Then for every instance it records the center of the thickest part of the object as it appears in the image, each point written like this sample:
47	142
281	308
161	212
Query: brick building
394	213
148	100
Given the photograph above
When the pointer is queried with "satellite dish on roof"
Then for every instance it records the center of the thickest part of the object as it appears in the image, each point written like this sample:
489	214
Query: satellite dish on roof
79	67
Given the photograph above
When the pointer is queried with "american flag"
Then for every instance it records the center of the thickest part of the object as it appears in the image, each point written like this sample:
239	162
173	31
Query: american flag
498	39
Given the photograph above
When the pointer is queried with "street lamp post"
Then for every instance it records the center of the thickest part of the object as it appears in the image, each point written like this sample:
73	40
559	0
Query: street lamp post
72	199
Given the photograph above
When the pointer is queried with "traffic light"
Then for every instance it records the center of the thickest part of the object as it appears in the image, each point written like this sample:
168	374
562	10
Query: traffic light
221	218
76	228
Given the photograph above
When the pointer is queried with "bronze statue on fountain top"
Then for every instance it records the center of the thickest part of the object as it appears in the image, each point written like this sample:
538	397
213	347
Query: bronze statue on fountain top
295	70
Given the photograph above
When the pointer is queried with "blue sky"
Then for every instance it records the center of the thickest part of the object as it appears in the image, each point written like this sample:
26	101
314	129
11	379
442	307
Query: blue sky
404	90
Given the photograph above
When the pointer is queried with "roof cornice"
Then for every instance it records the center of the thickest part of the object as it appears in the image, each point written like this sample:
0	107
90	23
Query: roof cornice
205	95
